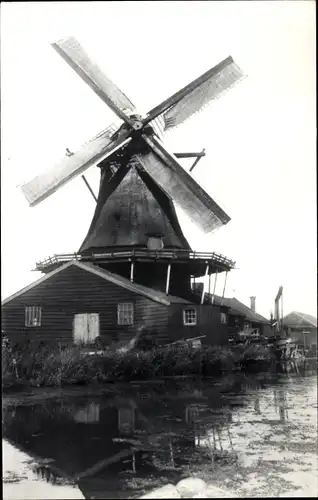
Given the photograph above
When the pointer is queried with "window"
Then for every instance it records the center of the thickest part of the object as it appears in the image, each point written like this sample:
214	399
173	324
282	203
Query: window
223	319
33	316
246	326
88	415
125	313
155	243
189	316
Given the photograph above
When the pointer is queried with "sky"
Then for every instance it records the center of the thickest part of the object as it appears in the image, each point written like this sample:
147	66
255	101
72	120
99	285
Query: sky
260	137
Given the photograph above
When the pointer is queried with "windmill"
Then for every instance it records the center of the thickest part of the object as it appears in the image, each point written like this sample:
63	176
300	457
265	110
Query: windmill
135	222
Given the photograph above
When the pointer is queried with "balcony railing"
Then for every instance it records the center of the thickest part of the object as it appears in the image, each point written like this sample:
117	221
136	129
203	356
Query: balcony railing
142	254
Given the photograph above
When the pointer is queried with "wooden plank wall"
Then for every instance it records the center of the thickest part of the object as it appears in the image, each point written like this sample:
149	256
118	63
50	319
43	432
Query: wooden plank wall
74	291
208	323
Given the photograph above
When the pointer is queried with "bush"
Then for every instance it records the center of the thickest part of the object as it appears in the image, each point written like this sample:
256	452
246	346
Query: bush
52	365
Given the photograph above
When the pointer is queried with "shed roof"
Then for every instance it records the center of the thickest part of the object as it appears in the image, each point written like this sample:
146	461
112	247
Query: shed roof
301	320
179	300
247	311
237	308
150	293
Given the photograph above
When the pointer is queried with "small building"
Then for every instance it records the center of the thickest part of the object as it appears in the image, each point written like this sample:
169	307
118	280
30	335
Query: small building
79	302
301	326
242	318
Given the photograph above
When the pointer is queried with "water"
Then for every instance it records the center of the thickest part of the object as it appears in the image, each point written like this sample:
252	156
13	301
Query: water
255	435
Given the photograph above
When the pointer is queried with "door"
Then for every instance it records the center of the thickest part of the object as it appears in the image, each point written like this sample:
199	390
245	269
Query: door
85	328
93	326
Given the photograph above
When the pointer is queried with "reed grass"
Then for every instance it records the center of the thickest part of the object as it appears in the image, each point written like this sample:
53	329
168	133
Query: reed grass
57	366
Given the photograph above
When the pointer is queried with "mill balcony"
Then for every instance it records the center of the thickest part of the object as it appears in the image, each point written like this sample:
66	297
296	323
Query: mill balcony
197	263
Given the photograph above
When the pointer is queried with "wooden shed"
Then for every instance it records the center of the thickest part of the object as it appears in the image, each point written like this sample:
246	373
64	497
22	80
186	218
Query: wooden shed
243	318
301	326
79	302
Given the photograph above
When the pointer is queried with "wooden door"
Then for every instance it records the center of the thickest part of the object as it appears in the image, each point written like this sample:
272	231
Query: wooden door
93	327
85	328
80	328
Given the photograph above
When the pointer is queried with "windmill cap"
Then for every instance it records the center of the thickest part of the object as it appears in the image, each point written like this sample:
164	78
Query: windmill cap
134	113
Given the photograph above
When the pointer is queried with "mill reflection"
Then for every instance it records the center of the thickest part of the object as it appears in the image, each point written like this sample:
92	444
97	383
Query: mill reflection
102	442
280	402
88	415
211	431
96	442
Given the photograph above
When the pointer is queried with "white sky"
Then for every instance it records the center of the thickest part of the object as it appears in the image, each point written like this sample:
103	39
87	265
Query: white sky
260	137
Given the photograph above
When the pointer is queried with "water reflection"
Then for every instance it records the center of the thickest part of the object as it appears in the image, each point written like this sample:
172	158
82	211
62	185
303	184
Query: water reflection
122	445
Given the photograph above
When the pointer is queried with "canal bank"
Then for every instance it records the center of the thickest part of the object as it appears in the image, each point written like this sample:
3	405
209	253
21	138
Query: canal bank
28	366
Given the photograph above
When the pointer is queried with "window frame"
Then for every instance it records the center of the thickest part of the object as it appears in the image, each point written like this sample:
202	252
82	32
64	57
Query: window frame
32	316
184	314
130	311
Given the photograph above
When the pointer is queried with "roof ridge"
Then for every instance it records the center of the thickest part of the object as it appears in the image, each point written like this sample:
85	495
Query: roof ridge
117	279
297	316
258	315
35	283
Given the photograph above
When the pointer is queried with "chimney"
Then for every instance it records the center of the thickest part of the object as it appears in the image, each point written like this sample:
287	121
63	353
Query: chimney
253	299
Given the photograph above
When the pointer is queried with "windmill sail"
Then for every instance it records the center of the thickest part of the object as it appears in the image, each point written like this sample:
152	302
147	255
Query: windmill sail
74	54
224	76
159	164
181	187
71	166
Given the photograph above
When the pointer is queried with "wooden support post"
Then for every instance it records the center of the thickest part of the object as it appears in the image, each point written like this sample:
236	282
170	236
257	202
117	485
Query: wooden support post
282	312
224	288
214	287
190	155
168	278
214	440
198	159
132	267
276	326
220	441
206	273
209	292
89	188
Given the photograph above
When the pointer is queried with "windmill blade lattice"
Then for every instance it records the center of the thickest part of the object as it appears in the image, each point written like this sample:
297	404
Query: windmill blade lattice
95	150
145	142
181	187
223	77
74	54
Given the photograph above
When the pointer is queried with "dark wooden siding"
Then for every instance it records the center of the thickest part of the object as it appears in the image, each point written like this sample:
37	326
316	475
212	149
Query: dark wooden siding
73	291
155	317
208	323
310	338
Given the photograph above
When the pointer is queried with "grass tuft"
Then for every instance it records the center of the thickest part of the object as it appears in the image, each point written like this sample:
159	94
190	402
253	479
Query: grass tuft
57	366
